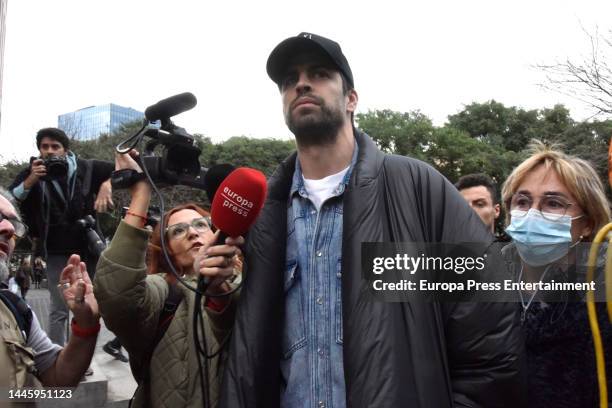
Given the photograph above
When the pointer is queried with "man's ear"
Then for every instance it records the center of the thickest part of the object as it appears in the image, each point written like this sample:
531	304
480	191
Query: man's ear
352	99
497	209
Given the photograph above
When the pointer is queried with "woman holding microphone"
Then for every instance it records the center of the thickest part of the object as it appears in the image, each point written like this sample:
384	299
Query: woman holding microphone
135	303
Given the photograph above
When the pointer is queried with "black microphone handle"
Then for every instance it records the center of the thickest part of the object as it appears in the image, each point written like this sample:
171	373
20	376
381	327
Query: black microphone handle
96	245
204	281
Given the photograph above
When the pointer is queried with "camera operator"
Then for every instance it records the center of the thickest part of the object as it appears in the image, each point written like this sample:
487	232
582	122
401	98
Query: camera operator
53	193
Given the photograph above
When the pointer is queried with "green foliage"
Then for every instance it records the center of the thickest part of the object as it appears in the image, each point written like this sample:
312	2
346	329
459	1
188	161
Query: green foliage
261	154
486	137
454	153
493	123
406	134
9	170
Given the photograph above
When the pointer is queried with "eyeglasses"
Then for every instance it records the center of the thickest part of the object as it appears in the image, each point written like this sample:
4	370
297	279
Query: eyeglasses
179	231
20	228
552	207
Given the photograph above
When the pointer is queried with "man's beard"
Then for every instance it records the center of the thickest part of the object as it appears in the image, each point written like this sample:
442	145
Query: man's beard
318	128
4	270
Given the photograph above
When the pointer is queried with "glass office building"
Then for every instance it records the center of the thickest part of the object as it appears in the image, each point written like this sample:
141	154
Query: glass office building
89	123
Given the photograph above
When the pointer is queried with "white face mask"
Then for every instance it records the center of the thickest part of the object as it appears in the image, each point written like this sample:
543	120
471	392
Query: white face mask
540	241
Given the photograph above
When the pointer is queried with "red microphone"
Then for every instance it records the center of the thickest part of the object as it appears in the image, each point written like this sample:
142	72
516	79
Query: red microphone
235	206
238	201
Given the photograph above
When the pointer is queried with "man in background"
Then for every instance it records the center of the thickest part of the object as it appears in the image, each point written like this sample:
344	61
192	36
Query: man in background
55	194
480	193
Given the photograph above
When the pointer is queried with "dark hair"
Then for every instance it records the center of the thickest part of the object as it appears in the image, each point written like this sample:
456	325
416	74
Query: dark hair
55	134
155	258
346	87
475	180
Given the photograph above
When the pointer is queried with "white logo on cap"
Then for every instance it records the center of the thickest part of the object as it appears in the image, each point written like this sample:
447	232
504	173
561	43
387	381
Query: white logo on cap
309	36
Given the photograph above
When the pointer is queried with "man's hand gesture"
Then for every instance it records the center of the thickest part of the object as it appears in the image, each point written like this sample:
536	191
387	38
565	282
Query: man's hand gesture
77	290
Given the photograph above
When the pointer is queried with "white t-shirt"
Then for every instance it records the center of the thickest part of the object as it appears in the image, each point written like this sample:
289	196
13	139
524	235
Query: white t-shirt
45	351
320	190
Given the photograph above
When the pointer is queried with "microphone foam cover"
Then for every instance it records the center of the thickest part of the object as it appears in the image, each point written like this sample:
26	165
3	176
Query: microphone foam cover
238	201
171	106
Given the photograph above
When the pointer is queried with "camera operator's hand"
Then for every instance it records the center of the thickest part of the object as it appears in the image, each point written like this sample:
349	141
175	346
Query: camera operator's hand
37	170
77	289
104	198
140	191
218	262
126	161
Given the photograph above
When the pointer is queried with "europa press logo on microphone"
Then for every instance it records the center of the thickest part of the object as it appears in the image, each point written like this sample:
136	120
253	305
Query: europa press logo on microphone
236	202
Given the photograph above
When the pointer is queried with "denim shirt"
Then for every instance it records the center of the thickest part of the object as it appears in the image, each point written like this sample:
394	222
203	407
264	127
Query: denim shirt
312	366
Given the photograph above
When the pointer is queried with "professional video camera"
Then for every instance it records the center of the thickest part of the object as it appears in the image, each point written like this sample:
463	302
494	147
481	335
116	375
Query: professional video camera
57	167
179	161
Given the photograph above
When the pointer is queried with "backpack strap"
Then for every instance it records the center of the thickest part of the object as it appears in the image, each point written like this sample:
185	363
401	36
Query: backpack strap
86	186
174	299
20	309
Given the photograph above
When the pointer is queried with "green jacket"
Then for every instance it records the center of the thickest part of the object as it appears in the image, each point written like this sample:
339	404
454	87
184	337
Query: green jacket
130	302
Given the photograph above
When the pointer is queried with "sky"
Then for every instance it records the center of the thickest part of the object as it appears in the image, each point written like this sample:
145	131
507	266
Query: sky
434	56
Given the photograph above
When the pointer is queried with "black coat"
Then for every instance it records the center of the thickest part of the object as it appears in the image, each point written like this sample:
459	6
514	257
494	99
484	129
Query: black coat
67	237
395	354
561	356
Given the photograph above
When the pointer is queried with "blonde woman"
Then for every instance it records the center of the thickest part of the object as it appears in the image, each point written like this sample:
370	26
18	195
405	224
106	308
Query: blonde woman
555	205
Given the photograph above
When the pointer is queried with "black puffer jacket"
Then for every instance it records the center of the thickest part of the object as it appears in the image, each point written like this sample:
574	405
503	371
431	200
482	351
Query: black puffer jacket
395	354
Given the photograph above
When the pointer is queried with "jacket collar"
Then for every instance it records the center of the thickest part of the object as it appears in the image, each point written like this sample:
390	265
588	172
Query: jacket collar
368	164
297	183
369	161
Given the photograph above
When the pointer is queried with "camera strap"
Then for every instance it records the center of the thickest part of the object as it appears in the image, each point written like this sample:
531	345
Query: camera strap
86	186
60	191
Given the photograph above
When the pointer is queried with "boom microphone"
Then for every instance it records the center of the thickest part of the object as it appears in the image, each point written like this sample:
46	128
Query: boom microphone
171	106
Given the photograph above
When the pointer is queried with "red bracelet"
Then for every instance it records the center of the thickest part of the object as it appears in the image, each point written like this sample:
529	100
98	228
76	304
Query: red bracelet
215	305
84	332
142	217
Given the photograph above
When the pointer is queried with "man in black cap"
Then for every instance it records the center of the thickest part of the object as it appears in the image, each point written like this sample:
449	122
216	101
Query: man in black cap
307	333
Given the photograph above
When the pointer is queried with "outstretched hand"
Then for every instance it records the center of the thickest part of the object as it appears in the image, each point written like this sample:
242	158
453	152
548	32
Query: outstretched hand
77	289
218	262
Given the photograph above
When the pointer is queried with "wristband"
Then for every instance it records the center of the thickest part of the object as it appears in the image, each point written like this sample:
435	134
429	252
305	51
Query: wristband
84	332
215	305
142	217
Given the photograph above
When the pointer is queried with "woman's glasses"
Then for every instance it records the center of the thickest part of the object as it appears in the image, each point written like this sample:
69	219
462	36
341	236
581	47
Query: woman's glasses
179	231
552	207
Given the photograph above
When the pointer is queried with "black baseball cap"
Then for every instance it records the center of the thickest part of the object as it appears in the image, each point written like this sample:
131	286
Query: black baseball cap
285	51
